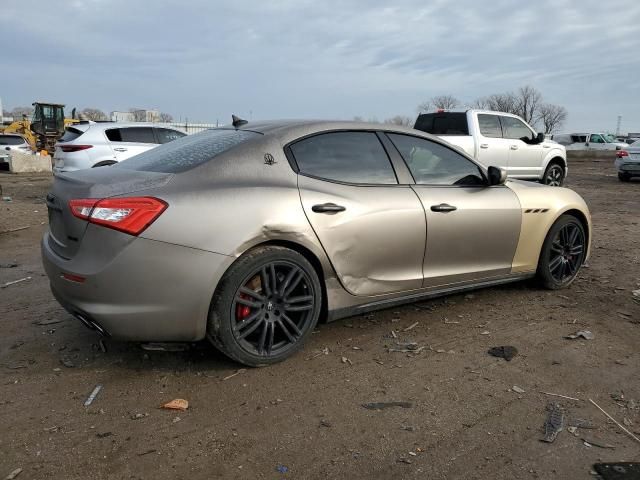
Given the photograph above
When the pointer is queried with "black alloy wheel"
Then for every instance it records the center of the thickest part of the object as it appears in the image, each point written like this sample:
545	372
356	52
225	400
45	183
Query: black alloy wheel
563	253
265	306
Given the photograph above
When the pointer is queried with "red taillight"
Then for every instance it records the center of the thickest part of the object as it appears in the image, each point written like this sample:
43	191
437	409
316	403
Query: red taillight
130	215
622	153
74	148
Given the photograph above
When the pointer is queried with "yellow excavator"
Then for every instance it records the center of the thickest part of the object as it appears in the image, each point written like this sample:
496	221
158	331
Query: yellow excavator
44	128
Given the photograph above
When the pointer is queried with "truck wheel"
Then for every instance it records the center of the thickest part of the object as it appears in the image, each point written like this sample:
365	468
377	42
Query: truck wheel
554	175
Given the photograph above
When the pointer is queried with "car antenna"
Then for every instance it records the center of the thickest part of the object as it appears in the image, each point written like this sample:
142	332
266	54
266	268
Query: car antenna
237	122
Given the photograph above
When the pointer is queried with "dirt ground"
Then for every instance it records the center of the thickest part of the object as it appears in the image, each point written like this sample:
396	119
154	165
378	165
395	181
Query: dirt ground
305	415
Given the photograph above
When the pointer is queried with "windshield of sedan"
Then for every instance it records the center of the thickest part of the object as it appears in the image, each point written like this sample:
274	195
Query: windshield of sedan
187	152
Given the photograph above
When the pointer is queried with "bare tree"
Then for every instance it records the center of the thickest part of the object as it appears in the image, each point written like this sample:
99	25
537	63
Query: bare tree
400	120
165	117
528	104
138	115
93	114
445	102
19	112
551	116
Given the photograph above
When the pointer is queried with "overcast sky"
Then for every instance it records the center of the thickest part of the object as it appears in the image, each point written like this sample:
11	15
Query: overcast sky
205	59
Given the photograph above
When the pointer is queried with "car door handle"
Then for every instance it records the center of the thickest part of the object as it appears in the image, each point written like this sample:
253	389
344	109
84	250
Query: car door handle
514	147
328	208
484	145
120	149
546	146
443	207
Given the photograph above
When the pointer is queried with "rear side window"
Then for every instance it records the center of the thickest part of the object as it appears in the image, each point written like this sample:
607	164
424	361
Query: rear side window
11	140
71	134
350	157
515	128
166	135
448	123
489	126
131	135
187	152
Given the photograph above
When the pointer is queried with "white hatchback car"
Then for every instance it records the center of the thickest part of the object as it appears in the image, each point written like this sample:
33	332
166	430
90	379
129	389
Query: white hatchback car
90	144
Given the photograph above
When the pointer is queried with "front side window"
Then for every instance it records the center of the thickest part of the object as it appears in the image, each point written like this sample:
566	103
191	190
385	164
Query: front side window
350	157
489	126
514	128
431	163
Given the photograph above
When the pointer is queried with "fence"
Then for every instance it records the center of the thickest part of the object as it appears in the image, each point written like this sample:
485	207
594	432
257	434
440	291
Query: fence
191	128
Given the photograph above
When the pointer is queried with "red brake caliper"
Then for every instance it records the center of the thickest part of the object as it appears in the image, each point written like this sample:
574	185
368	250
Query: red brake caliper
243	311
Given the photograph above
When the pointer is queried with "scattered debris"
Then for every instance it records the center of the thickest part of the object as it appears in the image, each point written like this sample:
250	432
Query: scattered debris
238	372
517	389
153	450
11	230
572	430
324	351
636	295
409	428
614	421
104	435
67	363
450	322
407	347
580	423
393	334
507	352
586	334
346	360
403	460
138	416
593	443
554	423
325	423
13	474
618	471
282	469
164	346
51	321
486	332
411	327
561	396
176	404
176	420
383	405
8	284
6	199
8	265
92	396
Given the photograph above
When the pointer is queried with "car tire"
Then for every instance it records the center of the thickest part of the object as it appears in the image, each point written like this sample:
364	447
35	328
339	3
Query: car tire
104	163
256	324
624	177
554	175
563	253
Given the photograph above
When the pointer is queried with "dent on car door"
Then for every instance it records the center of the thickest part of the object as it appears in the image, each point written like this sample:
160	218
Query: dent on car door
472	229
525	157
372	229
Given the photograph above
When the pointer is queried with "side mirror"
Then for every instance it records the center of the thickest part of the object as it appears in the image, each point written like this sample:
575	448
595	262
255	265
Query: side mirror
497	176
540	137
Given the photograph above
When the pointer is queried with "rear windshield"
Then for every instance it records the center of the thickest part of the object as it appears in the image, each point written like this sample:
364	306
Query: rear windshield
447	123
70	134
187	152
11	140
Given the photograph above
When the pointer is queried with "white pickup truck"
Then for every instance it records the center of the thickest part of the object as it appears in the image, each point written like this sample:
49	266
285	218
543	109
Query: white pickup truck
501	140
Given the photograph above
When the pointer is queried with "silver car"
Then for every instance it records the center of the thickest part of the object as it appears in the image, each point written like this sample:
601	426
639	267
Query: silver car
249	236
90	144
11	141
628	162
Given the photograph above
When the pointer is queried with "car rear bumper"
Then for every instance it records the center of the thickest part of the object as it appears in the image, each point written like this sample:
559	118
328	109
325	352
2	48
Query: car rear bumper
151	291
630	168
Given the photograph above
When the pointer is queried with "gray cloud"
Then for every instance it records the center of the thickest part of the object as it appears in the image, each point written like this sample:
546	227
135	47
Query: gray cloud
205	60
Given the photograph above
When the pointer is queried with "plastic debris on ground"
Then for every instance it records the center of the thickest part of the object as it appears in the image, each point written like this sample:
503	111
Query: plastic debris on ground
93	395
554	423
586	334
282	469
507	352
176	404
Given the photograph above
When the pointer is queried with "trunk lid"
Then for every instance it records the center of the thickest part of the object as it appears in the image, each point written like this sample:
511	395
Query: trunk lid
65	230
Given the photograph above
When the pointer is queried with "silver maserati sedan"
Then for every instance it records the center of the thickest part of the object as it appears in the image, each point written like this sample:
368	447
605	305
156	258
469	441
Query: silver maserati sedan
249	235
